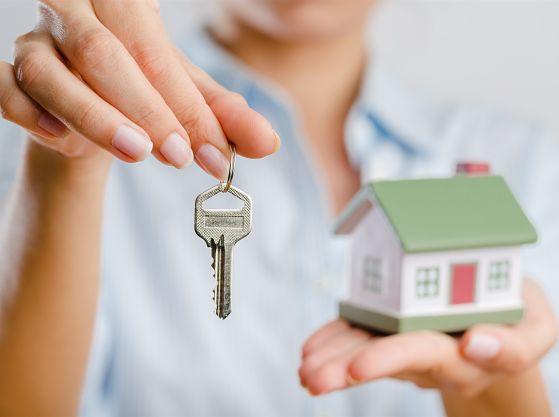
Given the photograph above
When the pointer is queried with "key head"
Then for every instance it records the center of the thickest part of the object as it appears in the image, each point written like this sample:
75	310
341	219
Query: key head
232	224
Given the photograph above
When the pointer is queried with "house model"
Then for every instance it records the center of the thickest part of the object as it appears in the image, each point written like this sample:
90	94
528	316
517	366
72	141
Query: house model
439	254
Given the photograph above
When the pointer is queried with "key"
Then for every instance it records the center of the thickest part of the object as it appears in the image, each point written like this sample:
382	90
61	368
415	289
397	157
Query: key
221	229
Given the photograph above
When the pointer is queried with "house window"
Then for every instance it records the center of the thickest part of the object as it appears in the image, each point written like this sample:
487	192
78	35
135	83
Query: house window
372	274
427	282
499	276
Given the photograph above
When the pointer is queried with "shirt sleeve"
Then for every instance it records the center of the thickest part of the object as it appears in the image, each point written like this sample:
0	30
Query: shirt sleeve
98	394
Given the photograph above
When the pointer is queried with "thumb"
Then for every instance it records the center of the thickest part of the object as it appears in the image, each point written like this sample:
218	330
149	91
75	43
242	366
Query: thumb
514	348
251	133
496	347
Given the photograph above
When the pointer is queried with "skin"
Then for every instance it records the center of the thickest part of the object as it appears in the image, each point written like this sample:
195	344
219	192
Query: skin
73	66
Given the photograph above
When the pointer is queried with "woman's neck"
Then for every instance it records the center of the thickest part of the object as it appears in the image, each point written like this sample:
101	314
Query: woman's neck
322	76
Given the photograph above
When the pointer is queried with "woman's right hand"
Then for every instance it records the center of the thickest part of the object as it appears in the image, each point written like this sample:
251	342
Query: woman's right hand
100	74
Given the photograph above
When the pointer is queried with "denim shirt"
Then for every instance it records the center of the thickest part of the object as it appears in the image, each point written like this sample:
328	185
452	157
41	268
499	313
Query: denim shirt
159	349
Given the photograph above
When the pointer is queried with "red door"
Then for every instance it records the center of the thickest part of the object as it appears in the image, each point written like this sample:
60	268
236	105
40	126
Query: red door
463	283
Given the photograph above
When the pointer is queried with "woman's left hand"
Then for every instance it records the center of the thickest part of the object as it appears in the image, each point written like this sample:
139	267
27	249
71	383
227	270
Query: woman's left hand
338	356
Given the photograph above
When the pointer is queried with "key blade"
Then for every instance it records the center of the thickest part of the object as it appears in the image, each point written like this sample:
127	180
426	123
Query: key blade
223	278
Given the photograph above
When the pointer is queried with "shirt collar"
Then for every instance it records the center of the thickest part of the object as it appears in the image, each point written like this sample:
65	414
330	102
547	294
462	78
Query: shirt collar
398	112
395	111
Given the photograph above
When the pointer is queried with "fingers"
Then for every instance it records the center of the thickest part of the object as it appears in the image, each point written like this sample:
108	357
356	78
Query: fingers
324	367
408	352
122	52
324	333
142	34
106	66
343	341
250	131
513	349
17	107
429	359
42	76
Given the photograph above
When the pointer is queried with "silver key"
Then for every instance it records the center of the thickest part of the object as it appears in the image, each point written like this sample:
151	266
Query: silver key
221	229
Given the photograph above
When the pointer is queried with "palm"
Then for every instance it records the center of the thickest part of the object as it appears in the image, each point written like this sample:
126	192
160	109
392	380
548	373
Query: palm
338	355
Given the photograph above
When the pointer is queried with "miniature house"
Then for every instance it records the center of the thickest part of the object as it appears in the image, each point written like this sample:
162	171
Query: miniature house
440	254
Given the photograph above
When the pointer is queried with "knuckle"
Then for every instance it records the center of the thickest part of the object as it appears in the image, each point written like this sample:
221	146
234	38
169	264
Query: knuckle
236	97
190	116
520	362
152	63
28	68
147	117
94	46
22	40
225	96
86	117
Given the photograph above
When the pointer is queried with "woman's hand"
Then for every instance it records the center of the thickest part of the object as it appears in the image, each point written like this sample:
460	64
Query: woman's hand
106	71
339	356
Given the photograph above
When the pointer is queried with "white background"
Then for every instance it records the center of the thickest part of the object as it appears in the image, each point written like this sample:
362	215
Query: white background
499	52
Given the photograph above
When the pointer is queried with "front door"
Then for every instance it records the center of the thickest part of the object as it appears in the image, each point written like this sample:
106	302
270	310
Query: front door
463	283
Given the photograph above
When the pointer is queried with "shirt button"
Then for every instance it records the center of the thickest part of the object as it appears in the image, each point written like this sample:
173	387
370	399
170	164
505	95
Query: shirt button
322	283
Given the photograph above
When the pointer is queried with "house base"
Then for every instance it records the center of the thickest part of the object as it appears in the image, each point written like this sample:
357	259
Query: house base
448	323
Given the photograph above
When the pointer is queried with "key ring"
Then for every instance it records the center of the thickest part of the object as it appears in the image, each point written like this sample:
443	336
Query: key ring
225	186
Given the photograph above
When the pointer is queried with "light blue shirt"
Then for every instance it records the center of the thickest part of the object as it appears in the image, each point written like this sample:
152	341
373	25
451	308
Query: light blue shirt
160	351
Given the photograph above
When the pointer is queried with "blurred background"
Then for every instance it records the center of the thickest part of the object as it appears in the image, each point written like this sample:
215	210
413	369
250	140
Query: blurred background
497	52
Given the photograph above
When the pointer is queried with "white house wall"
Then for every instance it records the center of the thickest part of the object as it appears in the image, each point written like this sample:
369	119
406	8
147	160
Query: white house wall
374	237
483	299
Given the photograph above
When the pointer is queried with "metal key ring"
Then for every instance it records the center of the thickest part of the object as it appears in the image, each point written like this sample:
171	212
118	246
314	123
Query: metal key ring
225	186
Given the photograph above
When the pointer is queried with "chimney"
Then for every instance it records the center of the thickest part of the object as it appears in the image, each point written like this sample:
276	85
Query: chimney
473	168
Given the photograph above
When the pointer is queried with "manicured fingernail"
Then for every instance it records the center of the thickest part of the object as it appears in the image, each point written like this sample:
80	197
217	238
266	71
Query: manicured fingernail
52	125
482	347
132	143
278	142
176	150
213	161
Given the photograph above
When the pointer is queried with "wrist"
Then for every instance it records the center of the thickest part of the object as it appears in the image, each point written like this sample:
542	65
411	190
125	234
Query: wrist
50	167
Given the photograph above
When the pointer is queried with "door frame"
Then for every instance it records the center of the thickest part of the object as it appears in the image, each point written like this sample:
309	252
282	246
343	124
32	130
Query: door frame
451	281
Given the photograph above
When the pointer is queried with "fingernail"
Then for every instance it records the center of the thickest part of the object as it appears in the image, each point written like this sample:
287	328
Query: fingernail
52	125
213	161
175	150
132	143
278	142
482	347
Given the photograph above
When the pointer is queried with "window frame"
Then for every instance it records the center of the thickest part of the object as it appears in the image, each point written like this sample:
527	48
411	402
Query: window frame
499	276
372	277
427	277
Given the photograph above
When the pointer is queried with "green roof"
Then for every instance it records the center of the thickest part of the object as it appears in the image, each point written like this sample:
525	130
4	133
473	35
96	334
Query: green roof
462	212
